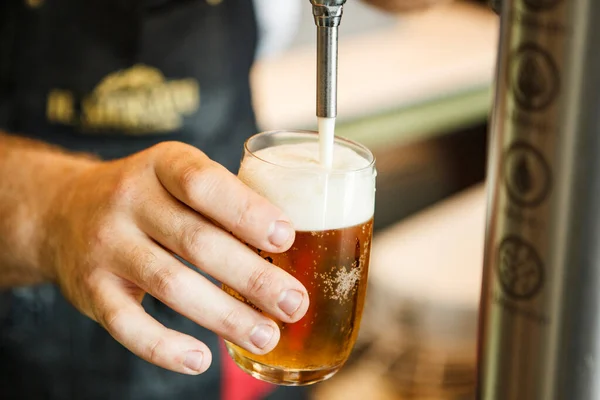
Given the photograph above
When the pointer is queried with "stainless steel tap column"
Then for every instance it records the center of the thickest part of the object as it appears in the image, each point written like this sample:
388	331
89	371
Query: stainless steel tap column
540	318
328	15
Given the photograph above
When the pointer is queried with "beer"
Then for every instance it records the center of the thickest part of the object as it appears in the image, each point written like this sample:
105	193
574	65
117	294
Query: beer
332	211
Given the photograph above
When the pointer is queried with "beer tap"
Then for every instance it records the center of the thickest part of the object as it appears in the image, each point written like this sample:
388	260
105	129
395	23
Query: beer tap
540	317
328	15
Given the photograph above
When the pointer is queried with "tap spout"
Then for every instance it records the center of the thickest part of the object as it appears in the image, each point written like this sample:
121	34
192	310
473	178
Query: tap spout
327	15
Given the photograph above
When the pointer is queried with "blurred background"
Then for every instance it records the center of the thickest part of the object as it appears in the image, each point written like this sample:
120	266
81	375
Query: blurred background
416	89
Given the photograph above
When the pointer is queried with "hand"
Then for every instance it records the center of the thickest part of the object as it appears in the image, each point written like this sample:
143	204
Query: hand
112	235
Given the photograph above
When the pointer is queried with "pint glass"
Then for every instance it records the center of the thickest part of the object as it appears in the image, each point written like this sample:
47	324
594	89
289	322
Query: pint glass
332	213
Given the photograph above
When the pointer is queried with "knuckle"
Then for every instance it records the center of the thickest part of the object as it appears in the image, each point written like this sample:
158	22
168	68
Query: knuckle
165	283
102	234
195	240
155	349
143	258
112	320
89	283
204	177
169	146
123	190
230	323
163	147
245	214
161	281
260	282
144	261
189	180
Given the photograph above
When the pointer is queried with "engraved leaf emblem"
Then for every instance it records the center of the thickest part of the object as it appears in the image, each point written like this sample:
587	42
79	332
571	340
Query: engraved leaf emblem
531	80
522	176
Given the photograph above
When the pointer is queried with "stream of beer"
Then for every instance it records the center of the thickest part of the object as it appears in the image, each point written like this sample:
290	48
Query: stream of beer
326	141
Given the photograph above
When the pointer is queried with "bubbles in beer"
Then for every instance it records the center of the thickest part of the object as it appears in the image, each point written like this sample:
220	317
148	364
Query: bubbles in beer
341	285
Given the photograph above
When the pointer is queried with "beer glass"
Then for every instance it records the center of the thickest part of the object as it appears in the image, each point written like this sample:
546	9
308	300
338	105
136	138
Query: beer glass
332	213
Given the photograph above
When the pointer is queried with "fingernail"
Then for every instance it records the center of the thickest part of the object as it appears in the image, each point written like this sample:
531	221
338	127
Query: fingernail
193	360
280	233
290	301
261	335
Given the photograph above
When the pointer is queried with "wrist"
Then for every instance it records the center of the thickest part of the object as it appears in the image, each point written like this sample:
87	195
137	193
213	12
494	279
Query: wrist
32	173
56	211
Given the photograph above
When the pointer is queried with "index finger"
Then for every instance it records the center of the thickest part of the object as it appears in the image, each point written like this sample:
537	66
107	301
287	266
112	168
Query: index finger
210	189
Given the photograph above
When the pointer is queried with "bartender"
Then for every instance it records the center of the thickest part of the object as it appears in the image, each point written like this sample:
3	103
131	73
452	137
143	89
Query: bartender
122	121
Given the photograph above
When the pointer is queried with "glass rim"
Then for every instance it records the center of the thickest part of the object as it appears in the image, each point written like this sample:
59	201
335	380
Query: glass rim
337	139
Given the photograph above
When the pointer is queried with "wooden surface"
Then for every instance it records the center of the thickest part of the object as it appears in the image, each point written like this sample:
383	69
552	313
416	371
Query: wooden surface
361	382
426	55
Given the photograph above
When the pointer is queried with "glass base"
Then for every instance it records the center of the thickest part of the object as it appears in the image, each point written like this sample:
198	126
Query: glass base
280	376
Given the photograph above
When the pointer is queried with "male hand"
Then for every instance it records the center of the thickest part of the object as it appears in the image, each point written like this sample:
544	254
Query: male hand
112	234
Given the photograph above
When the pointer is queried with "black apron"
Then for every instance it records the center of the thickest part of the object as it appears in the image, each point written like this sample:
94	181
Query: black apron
113	77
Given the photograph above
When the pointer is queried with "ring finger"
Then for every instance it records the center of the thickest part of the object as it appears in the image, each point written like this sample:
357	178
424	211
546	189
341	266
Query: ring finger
184	290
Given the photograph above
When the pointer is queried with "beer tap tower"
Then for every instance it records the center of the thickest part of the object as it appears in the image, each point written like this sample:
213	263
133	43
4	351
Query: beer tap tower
328	15
540	315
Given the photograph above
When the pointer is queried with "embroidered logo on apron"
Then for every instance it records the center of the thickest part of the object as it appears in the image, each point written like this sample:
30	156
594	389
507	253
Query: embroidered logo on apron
136	101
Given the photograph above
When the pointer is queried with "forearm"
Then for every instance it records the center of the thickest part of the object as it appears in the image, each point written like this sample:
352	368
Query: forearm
31	175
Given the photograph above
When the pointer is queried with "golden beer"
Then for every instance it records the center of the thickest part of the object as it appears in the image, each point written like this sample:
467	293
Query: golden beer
332	264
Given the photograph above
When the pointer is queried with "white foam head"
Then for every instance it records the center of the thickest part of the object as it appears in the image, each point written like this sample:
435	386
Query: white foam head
313	197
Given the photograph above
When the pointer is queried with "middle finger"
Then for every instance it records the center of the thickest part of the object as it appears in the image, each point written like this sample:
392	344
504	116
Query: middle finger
221	255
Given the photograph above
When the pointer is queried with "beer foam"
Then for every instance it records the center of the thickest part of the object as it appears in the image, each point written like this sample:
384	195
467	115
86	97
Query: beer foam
314	198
